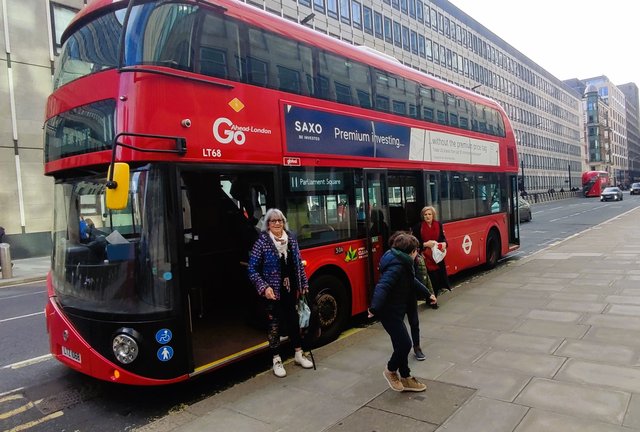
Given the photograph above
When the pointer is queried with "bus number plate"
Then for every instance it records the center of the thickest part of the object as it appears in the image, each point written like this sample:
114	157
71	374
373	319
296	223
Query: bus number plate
71	354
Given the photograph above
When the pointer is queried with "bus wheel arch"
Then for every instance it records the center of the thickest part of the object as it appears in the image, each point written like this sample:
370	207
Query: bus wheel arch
493	249
329	293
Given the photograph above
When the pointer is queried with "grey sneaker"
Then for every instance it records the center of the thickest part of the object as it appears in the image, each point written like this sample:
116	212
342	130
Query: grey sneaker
393	379
419	354
412	384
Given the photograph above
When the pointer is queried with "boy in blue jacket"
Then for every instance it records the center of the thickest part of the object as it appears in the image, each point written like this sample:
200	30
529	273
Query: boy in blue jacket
391	297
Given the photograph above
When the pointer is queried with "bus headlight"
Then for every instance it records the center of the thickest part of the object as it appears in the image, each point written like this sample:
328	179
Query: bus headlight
125	348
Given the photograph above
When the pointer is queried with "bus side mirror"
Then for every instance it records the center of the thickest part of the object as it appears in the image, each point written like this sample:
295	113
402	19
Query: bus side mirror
118	187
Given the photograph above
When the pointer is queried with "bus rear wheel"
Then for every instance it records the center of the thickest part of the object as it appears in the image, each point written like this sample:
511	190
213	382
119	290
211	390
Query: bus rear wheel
329	296
493	250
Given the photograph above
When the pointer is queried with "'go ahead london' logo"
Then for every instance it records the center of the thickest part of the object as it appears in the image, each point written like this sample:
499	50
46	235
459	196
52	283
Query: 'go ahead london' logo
225	132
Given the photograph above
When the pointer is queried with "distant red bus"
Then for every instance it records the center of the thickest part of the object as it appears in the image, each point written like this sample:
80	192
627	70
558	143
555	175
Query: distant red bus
208	114
593	182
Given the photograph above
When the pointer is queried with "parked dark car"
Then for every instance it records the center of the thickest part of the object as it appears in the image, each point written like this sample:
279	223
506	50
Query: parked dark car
635	189
524	208
611	194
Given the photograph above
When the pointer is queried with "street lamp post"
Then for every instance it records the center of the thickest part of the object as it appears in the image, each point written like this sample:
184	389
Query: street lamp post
569	168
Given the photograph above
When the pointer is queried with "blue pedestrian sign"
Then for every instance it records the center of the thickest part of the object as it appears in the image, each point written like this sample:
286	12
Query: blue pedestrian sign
165	353
163	336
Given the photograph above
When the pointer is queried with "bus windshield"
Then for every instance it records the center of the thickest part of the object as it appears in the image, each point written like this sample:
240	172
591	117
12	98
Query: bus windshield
112	261
93	48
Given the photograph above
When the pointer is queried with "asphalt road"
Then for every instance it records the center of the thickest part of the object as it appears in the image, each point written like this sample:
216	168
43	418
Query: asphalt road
555	221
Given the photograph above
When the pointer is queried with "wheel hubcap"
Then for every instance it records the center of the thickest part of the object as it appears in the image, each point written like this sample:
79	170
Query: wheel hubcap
327	309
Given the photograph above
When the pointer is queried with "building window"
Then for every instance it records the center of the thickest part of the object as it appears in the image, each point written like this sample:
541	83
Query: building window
345	12
306	3
377	25
412	8
397	34
319	5
414	42
405	39
388	32
403	6
61	16
421	46
419	11
356	14
332	8
367	15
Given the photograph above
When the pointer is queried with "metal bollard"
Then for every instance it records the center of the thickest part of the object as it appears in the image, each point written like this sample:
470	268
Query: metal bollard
5	260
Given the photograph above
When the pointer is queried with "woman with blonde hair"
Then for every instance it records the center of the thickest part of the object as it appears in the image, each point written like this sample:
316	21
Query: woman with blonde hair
429	232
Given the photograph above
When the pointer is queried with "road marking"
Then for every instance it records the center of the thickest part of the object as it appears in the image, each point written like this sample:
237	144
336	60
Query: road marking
28	362
23	295
23	409
19	410
10	397
33	423
15	390
22	316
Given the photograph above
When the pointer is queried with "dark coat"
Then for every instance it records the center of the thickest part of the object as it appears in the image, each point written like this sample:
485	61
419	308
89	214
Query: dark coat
397	285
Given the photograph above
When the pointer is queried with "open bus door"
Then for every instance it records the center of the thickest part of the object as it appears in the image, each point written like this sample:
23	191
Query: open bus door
375	213
221	214
393	200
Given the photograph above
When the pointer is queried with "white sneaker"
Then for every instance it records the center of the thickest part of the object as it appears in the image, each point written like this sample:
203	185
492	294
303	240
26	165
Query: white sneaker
302	360
278	368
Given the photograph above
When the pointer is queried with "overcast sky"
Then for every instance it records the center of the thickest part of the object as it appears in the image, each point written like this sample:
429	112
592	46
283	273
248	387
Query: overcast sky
568	38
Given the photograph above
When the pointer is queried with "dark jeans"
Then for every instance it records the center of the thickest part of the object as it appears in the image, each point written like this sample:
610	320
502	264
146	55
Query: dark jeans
282	320
414	322
393	323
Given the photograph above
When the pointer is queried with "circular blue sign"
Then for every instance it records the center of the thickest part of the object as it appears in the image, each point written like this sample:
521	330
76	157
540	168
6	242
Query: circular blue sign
165	353
163	336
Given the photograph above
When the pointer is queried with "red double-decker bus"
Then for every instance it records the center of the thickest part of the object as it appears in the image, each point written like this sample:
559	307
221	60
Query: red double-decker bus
205	115
594	182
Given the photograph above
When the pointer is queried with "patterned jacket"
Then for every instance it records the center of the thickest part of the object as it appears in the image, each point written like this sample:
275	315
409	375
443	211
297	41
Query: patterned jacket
264	265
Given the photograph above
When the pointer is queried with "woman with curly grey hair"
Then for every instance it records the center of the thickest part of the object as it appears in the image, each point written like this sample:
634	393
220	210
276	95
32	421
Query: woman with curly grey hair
277	272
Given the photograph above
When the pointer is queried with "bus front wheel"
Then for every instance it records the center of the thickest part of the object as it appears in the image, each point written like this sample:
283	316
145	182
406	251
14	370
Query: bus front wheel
493	250
329	296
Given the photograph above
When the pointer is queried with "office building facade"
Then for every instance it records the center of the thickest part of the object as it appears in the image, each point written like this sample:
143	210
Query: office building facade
632	109
30	38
